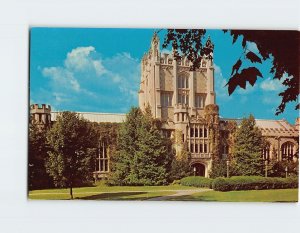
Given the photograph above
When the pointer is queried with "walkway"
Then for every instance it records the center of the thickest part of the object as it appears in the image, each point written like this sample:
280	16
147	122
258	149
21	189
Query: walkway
178	194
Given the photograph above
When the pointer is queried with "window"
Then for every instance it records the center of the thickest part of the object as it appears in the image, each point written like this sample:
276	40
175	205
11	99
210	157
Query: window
196	132
166	99
201	148
183	81
196	148
266	153
102	158
201	133
192	147
191	132
205	132
287	152
199	100
166	133
183	99
205	148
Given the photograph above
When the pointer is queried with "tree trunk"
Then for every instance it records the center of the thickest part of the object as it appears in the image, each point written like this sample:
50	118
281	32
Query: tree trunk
71	192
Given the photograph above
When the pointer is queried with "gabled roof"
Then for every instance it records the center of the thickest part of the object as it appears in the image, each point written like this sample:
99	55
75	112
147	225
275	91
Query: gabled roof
272	127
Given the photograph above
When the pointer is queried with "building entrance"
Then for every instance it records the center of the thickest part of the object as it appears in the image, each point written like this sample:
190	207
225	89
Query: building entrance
198	169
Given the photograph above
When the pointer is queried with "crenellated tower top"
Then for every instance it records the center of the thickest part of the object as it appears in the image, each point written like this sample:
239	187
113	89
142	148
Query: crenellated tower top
40	115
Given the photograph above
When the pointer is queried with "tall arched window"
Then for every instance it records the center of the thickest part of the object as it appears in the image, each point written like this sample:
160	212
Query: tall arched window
266	152
287	152
183	85
103	165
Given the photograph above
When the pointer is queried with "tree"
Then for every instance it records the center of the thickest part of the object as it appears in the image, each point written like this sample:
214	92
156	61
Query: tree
247	157
180	166
143	156
282	46
73	142
37	152
219	168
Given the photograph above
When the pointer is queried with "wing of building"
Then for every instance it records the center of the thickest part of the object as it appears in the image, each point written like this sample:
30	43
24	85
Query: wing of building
185	101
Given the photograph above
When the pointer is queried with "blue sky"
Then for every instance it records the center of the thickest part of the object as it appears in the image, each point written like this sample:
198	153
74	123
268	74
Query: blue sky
98	70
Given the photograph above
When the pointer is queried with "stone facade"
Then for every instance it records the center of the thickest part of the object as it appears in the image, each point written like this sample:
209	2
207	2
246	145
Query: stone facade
184	100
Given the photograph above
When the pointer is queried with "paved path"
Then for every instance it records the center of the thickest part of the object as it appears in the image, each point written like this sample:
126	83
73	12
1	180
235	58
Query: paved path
178	194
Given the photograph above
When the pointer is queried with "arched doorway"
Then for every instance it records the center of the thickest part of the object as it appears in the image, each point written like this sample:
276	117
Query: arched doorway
198	169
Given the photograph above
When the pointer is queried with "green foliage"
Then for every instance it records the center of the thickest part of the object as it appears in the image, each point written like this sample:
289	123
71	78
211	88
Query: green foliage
37	152
197	181
219	168
247	149
180	166
107	132
143	156
72	142
277	168
253	183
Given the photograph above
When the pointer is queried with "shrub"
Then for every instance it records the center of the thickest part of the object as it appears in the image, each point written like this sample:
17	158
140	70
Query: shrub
253	183
197	181
220	184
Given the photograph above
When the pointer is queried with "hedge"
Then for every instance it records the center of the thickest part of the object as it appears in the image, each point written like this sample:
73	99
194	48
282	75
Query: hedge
196	181
253	183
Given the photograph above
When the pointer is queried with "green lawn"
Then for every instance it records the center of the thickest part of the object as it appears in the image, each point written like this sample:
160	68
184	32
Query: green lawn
276	195
103	192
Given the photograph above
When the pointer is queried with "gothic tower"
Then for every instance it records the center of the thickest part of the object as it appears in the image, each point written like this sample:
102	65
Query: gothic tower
180	97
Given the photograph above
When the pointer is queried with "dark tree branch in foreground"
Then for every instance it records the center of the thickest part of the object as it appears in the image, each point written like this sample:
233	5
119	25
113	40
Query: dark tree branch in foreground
281	46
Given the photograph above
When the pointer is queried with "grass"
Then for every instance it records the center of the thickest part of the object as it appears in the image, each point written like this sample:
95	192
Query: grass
275	195
103	192
101	196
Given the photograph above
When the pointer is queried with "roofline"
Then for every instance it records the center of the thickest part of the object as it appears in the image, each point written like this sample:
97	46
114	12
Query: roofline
225	118
97	113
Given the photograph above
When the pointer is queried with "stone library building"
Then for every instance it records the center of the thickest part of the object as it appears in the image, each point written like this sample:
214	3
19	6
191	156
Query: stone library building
185	102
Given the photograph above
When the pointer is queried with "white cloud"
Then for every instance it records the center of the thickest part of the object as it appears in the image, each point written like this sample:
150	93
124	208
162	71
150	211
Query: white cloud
61	77
271	85
81	59
249	89
220	85
85	81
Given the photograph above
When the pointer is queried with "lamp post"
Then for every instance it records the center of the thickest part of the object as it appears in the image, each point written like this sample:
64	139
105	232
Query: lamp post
266	168
286	172
194	171
227	166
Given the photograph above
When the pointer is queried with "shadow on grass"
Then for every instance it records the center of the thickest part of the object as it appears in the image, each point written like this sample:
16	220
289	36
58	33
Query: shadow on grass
191	198
116	196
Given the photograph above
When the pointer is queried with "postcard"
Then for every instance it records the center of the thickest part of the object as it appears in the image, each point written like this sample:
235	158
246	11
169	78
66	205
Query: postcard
163	115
